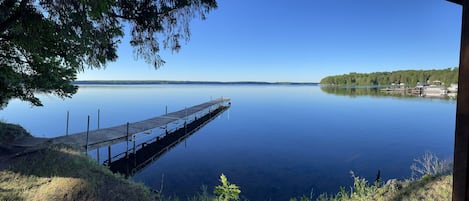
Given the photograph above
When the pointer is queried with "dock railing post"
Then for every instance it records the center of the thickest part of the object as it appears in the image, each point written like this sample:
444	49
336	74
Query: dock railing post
99	117
109	155
87	134
127	148
135	148
97	149
68	119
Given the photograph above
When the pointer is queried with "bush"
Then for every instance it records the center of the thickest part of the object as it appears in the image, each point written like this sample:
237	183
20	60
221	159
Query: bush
429	165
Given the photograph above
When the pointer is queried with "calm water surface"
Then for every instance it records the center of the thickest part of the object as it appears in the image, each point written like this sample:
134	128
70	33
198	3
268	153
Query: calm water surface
275	142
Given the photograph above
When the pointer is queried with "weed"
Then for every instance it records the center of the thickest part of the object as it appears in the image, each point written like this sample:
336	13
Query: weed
429	165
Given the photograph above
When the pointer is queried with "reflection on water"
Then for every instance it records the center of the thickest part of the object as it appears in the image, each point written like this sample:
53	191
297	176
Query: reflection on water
353	91
379	92
147	152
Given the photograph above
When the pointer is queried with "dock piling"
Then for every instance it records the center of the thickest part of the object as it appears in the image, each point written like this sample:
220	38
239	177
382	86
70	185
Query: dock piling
109	154
68	118
127	148
99	118
87	134
97	149
134	140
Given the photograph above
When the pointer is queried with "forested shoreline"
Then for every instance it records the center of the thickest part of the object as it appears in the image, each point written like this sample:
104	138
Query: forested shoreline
408	77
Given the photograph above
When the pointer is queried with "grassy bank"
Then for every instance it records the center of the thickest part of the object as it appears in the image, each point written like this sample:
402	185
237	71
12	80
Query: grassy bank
429	188
11	132
63	173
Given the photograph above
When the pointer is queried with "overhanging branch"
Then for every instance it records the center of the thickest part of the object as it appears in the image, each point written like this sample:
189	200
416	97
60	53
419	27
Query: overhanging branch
14	17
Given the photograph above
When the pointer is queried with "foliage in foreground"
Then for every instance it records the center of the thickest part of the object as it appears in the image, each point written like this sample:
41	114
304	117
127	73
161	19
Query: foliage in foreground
11	132
435	183
226	191
43	44
63	173
223	192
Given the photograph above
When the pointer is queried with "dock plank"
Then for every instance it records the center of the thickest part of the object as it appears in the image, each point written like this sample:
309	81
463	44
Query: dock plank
111	135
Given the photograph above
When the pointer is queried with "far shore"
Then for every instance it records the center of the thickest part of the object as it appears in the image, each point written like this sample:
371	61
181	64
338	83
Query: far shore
143	82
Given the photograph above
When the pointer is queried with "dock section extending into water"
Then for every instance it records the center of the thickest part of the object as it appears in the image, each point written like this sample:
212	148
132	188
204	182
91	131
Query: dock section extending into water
108	136
125	133
145	153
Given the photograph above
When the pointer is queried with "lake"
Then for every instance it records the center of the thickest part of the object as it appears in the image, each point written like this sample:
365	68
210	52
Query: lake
275	142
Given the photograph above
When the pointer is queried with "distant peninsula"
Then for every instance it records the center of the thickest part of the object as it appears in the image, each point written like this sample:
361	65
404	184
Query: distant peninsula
402	77
150	82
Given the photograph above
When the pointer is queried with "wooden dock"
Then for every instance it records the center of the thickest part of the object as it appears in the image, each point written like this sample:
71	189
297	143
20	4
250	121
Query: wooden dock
108	136
149	151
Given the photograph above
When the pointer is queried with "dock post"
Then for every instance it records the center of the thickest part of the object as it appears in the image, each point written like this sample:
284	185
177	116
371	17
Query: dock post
166	111
134	139
97	150
127	148
99	118
87	134
109	155
68	118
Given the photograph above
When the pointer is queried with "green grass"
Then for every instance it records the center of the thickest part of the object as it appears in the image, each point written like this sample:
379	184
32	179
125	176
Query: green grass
10	132
63	173
434	183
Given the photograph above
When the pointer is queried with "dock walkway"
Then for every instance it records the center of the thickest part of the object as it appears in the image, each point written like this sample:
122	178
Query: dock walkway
115	134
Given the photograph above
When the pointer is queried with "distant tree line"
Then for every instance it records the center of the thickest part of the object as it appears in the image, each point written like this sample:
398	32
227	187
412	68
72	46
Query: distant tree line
408	77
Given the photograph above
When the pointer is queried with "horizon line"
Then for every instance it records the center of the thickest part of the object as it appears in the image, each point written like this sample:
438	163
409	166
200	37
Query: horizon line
195	81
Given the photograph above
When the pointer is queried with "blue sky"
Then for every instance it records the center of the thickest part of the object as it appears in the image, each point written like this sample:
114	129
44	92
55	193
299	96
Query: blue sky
303	41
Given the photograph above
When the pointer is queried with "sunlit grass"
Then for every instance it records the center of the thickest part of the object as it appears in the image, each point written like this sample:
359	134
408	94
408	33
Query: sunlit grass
435	184
63	173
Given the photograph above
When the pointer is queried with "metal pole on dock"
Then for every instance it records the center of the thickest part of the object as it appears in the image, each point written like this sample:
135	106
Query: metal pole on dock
97	150
68	118
135	148
127	149
99	117
87	134
109	155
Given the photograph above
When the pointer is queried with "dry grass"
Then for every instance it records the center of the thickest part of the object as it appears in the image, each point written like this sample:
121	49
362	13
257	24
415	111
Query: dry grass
62	173
428	188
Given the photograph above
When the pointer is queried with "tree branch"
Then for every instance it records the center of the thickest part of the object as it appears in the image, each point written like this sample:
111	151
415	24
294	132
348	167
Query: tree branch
16	15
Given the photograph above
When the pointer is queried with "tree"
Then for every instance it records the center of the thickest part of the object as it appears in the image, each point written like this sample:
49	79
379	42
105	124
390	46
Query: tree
43	44
409	77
